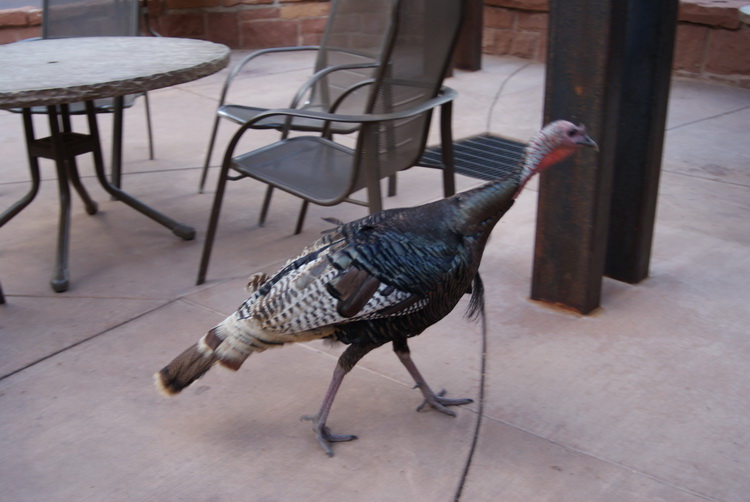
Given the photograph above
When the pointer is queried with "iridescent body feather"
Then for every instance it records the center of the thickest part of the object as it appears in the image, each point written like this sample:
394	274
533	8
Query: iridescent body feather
383	278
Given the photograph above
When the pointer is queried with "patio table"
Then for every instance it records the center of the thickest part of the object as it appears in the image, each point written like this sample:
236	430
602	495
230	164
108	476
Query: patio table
55	72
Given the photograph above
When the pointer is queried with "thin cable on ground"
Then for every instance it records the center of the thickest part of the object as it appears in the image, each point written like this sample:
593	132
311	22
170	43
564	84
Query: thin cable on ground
500	91
480	405
483	317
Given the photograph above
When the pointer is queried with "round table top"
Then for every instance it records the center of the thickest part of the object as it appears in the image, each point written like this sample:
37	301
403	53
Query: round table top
65	70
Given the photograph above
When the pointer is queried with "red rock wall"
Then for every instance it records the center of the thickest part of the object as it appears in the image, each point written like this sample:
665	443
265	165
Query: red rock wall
711	43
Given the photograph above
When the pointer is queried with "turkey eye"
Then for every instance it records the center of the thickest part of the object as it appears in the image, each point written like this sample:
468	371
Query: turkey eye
572	132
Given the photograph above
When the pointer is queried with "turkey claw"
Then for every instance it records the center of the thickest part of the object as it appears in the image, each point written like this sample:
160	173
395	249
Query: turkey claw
440	403
325	436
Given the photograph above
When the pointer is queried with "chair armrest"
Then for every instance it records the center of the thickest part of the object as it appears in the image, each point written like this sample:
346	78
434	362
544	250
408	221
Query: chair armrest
144	14
241	64
445	95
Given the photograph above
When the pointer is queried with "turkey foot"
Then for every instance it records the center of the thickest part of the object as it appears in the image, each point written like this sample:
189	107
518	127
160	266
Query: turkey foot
324	435
440	403
436	401
322	432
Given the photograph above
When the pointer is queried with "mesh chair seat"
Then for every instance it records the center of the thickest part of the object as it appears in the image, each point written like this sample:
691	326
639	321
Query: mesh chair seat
308	167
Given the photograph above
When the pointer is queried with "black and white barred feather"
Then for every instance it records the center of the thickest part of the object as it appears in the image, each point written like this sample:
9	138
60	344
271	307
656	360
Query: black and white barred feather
384	277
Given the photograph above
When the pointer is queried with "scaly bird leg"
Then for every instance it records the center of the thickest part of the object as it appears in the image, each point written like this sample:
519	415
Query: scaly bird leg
346	362
324	435
436	401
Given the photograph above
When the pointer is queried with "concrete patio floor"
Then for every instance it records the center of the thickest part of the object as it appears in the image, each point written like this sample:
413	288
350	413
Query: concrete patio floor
646	400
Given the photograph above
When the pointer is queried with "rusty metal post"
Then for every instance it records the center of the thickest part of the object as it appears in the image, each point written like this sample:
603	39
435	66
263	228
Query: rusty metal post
468	52
584	65
643	115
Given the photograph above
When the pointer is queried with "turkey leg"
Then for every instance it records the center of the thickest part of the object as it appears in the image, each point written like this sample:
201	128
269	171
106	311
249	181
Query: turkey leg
346	362
436	401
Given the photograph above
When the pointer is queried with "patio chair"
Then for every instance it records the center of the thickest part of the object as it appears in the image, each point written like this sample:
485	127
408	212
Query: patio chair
94	18
349	52
391	134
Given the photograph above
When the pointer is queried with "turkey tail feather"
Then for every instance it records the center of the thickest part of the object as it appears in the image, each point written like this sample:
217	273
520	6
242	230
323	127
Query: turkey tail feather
184	370
476	304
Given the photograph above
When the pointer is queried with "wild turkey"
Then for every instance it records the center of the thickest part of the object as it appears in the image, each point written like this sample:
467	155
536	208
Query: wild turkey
383	278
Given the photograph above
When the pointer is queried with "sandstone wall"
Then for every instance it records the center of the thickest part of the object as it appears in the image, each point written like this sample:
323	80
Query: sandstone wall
712	42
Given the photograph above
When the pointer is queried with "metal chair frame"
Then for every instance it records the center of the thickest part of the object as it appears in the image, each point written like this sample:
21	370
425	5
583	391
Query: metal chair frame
376	155
239	114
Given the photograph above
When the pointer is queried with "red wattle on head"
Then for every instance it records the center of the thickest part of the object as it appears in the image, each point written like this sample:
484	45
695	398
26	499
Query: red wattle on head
553	157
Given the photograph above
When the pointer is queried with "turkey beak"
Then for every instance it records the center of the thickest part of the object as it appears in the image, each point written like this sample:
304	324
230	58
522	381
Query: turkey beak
586	141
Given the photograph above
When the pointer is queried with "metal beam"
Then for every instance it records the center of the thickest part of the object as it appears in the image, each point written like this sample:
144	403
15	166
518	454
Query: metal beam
584	65
608	66
640	136
468	52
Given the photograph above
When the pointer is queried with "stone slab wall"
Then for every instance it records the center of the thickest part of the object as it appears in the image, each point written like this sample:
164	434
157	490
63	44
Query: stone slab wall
712	42
242	24
19	24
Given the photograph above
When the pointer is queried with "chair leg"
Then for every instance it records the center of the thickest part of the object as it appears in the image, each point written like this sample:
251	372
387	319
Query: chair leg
371	170
213	223
301	217
211	142
148	127
374	197
391	185
446	140
265	206
2	296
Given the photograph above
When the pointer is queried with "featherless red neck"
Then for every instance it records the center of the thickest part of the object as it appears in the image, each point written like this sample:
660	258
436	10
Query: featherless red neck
553	144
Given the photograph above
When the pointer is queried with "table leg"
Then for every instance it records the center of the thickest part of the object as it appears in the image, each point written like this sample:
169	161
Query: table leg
60	279
72	167
179	229
117	142
75	180
33	167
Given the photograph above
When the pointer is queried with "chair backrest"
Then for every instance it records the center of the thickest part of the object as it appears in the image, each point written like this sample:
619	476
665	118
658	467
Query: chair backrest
356	33
89	18
415	63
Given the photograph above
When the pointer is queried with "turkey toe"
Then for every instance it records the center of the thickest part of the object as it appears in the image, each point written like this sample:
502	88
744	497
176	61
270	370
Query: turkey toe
440	403
324	434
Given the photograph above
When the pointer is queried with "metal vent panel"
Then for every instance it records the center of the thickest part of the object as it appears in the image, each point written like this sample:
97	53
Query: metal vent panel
484	157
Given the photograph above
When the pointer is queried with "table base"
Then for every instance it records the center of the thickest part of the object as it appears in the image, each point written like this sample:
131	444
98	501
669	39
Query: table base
63	146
